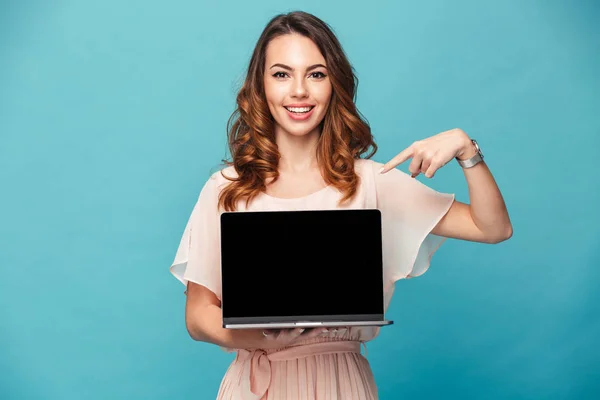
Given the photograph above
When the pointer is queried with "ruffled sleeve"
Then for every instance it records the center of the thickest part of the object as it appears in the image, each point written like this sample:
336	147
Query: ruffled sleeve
409	211
198	256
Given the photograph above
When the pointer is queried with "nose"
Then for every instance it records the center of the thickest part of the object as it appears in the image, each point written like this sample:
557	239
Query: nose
299	88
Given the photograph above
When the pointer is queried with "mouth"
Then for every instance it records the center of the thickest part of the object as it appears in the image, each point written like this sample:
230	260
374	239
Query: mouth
299	110
299	113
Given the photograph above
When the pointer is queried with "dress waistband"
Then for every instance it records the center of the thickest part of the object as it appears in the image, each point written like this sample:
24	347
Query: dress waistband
257	362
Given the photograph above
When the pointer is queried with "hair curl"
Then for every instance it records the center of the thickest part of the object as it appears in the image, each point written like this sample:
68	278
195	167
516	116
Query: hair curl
345	135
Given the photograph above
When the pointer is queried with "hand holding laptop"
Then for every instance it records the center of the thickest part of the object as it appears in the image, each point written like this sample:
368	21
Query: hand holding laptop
284	337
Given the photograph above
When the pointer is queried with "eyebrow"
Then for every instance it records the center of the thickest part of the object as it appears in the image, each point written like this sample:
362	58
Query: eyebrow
291	69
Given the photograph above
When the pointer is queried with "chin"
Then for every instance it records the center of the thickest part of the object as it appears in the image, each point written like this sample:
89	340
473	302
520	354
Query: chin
296	131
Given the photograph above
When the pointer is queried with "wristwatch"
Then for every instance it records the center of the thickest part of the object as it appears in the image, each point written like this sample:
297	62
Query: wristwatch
476	159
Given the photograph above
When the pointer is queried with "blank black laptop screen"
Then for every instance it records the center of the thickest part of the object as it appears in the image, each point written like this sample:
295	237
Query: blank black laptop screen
299	263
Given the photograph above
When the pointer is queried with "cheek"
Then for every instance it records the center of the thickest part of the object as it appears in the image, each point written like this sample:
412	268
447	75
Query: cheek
268	92
274	94
324	94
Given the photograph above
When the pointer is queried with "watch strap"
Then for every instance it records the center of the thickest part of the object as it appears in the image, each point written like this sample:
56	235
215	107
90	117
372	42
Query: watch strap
476	159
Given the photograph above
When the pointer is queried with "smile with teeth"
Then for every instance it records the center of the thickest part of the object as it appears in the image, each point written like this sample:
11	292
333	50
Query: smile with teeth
299	110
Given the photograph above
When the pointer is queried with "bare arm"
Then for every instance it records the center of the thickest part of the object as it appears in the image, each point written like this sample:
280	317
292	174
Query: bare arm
203	320
486	218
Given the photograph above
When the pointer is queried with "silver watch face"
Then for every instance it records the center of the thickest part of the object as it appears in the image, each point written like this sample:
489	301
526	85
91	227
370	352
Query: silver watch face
477	148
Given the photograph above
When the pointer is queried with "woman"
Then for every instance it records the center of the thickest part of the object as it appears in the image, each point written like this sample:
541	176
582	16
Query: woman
296	142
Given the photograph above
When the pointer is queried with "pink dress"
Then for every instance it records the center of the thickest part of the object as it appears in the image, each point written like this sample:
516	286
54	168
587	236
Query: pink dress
329	367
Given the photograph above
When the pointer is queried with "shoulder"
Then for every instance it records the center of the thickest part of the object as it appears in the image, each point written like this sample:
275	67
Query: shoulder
216	181
222	177
366	168
394	181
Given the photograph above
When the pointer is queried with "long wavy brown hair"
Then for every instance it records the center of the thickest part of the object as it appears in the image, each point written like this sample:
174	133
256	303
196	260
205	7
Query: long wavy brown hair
345	134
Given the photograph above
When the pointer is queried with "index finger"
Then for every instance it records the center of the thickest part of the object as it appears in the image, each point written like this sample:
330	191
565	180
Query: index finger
399	159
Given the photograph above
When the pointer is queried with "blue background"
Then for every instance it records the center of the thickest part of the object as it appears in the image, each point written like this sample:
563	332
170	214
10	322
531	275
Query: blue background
112	116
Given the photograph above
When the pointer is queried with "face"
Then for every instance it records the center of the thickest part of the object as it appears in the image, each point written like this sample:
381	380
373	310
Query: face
297	85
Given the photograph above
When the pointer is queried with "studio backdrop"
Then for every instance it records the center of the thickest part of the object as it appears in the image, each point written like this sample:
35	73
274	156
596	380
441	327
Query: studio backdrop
113	115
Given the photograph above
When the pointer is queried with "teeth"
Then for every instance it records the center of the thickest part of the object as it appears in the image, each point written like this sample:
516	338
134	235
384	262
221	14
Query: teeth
299	109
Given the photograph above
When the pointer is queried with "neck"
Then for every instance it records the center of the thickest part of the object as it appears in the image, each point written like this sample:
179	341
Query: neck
298	153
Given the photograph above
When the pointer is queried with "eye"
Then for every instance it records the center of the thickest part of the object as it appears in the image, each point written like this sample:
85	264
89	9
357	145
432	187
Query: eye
319	75
279	74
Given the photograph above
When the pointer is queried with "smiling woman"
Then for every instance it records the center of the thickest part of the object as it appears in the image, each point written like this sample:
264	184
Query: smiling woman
298	142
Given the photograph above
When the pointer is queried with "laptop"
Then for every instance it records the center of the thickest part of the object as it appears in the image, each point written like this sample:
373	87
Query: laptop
308	268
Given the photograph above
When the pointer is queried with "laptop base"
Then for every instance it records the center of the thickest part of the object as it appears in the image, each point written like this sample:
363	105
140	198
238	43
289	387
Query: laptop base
285	325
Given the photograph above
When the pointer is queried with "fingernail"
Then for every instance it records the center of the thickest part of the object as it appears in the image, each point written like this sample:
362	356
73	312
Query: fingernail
381	170
301	330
